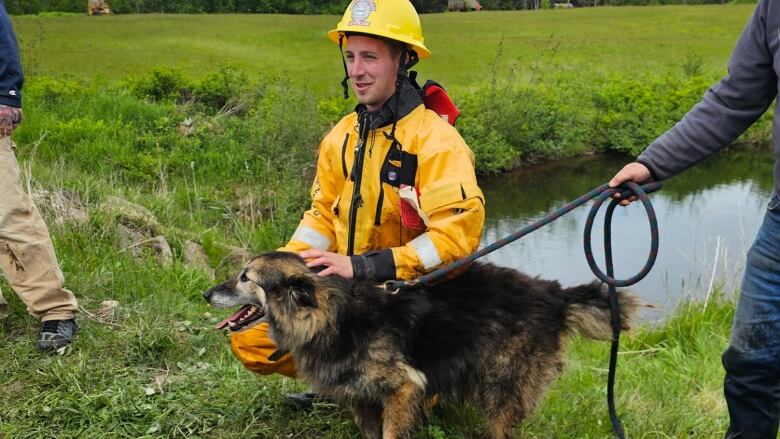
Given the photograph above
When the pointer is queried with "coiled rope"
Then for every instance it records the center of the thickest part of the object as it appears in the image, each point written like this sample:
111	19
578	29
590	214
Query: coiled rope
599	195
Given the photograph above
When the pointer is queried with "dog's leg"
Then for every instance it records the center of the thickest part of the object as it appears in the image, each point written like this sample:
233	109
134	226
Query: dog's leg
510	392
502	423
368	418
402	411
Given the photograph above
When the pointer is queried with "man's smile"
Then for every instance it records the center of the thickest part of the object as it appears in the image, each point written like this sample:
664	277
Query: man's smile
361	86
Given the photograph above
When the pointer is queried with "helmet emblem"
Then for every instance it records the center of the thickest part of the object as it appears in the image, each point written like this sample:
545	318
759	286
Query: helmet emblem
361	9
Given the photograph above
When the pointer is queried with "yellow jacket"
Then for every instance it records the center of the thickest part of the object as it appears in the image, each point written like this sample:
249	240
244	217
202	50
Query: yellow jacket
431	157
444	177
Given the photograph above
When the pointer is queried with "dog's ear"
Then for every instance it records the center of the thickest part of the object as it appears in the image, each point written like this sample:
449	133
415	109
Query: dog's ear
302	289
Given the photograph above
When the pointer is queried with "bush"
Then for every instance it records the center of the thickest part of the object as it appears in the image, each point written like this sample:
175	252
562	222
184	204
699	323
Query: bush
508	123
161	84
227	86
632	112
562	115
52	91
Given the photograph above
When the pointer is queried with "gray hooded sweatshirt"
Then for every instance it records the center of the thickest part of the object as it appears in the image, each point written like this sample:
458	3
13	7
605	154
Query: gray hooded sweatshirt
729	107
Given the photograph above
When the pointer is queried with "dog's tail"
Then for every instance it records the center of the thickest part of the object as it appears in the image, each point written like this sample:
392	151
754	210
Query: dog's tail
588	311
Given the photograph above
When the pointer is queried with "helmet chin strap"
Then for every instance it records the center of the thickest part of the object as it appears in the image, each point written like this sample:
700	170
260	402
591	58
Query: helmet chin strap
344	85
403	73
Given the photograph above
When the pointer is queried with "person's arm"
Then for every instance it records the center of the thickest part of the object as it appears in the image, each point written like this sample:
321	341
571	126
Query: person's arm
315	230
454	205
11	78
727	109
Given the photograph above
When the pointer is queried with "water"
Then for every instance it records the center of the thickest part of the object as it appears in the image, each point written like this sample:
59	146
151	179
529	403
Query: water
707	218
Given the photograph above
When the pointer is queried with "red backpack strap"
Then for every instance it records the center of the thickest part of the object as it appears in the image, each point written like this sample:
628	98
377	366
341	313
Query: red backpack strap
437	99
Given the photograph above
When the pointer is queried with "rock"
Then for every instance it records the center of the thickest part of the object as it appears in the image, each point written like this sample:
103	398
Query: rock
132	215
108	311
3	308
162	251
195	258
237	256
187	127
65	205
130	240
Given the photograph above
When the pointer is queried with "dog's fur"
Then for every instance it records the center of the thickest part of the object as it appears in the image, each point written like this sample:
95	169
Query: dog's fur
492	336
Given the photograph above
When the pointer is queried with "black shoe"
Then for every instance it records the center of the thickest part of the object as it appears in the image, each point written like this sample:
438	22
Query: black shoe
301	401
56	334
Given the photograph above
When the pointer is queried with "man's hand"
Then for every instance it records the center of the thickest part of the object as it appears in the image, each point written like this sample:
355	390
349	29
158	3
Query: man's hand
10	117
636	172
334	263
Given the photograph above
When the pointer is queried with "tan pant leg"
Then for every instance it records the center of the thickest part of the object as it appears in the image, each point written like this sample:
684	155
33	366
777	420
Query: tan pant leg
26	254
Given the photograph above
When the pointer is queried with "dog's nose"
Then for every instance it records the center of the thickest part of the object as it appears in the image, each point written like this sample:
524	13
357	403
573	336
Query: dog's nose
207	294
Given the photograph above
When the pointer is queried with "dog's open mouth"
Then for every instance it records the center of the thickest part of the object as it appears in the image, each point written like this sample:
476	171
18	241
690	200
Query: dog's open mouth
244	316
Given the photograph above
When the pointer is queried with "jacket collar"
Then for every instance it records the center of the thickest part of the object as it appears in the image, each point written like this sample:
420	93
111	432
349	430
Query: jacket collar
409	100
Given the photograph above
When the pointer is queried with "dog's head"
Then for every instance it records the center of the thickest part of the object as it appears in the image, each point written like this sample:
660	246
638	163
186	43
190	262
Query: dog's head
277	284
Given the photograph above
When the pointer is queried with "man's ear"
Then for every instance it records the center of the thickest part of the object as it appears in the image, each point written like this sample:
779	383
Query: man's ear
303	291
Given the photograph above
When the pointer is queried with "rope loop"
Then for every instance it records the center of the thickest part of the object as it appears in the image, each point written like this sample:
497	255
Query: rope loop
627	190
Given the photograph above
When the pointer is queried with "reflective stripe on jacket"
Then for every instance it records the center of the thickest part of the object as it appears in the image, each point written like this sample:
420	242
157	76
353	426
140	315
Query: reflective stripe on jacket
444	177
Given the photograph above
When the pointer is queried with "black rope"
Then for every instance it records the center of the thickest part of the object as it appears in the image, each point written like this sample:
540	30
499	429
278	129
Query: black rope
609	279
599	195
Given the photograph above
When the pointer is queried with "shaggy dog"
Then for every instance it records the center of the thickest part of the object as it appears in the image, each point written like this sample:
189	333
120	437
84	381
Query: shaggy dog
492	336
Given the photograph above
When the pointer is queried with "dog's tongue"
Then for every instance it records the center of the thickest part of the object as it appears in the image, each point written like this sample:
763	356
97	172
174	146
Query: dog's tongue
235	316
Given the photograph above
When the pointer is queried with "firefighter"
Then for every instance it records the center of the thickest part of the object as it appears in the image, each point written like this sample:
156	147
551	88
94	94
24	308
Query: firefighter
395	195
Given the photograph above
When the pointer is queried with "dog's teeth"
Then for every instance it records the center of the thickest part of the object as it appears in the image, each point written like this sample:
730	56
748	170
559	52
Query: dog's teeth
252	309
232	324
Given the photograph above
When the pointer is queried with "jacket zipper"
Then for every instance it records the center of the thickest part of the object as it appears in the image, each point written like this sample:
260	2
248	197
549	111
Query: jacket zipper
357	177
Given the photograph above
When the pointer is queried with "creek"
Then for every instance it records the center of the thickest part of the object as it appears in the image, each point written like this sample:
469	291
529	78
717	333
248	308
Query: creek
707	216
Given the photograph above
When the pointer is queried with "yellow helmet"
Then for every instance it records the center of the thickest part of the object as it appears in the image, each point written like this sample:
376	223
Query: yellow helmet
393	19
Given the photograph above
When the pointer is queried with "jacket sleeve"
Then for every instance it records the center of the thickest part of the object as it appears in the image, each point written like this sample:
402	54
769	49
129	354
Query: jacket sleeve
453	202
727	108
11	78
316	229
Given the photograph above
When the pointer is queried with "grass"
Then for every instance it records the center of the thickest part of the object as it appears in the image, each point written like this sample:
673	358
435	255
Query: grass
464	45
159	370
165	373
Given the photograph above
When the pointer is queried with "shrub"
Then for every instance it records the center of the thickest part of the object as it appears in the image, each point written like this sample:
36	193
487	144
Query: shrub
226	86
632	112
161	84
51	91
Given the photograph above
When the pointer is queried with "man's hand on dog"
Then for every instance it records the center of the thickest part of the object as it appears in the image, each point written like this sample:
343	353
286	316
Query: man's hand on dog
334	263
10	117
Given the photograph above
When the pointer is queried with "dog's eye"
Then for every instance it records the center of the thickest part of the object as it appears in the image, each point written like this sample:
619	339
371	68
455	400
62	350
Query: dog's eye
243	278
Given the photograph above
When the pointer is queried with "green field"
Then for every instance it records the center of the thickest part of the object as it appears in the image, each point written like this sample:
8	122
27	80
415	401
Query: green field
464	45
143	108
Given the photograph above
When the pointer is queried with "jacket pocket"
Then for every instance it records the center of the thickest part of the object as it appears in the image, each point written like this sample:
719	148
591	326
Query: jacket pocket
440	197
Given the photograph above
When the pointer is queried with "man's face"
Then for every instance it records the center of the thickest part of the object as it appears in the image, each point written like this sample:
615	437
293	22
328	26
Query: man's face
372	69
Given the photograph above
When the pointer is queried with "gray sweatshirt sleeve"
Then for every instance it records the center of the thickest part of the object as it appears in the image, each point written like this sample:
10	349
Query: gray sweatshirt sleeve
727	109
